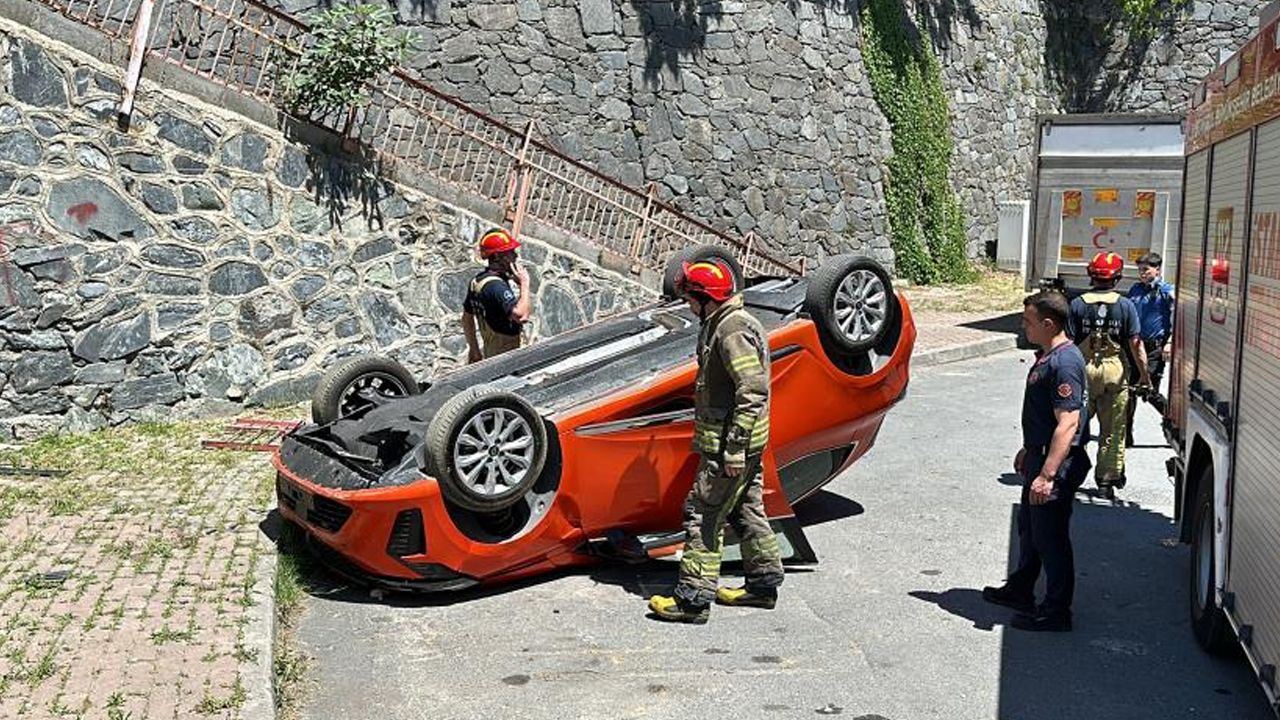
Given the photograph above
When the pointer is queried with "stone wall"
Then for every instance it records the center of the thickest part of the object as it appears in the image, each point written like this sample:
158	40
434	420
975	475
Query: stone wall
1096	67
756	115
200	260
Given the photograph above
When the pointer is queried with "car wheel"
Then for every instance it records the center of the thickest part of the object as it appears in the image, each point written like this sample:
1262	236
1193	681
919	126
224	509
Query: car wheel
698	253
851	300
486	448
1208	621
345	388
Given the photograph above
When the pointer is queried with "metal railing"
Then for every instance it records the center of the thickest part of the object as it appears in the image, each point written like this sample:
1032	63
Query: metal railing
251	48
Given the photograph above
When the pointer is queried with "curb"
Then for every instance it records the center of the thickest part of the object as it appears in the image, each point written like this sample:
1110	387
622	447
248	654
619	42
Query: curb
257	674
968	351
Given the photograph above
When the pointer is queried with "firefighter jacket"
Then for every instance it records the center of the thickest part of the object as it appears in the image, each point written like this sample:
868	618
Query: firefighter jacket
731	396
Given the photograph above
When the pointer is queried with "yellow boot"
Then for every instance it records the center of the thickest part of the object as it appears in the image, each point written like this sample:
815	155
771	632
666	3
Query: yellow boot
672	610
741	597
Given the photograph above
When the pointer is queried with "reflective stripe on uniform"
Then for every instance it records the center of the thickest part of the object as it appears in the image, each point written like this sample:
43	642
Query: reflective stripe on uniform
746	362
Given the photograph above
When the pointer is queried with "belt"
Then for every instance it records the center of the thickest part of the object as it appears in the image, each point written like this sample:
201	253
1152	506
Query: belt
1153	342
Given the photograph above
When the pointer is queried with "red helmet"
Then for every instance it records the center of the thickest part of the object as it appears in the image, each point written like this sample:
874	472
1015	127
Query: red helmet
708	277
497	241
1106	266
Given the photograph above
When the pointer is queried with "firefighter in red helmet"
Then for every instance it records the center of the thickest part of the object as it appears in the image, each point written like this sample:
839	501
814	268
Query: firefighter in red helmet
731	429
492	307
1105	326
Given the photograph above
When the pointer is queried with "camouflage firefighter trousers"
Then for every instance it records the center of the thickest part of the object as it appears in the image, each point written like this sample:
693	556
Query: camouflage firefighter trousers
714	500
1108	401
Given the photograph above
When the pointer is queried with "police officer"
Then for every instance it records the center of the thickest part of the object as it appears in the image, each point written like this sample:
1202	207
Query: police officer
1153	297
1053	464
731	428
491	304
1105	326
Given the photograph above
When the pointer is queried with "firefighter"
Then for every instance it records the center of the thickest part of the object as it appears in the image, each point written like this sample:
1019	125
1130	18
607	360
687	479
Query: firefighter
1053	464
1105	326
731	428
499	312
1154	299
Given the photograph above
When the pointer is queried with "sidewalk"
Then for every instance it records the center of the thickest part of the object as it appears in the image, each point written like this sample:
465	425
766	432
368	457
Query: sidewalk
954	324
127	586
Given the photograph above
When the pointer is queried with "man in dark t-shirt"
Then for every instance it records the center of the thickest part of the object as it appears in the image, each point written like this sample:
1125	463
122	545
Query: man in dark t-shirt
1053	464
491	307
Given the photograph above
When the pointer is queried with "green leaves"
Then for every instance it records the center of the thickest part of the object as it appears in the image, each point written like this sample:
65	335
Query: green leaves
926	221
1145	19
351	45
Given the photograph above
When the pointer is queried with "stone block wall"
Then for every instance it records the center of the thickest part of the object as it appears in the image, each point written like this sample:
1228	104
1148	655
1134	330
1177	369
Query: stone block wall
200	261
756	115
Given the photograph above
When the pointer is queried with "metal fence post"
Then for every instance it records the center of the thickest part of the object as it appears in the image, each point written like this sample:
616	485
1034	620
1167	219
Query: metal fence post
638	238
137	51
522	181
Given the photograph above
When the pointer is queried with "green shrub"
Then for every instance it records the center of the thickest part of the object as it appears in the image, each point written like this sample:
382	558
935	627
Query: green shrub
350	46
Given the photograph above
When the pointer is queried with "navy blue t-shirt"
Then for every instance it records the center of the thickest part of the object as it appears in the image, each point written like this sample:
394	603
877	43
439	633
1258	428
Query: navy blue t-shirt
494	302
1121	321
1056	382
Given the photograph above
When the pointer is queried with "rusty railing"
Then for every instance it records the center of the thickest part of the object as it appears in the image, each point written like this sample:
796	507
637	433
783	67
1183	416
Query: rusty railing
251	48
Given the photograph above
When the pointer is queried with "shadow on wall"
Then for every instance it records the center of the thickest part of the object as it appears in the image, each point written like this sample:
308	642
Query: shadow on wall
1089	55
676	30
340	177
939	17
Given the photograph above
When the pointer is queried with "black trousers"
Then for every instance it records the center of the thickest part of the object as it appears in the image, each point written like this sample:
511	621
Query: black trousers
1044	532
1155	368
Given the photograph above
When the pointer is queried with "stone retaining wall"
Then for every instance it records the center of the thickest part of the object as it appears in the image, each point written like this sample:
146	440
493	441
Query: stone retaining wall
200	260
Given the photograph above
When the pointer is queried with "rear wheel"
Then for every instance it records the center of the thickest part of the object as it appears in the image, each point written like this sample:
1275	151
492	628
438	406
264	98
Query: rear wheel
699	253
357	384
1208	621
851	300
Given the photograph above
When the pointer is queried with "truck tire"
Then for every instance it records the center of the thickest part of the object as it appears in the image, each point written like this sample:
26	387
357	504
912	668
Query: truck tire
338	392
698	253
1208	621
486	448
851	300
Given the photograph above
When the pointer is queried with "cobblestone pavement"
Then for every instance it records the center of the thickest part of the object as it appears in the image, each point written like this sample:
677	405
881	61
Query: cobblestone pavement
124	585
938	330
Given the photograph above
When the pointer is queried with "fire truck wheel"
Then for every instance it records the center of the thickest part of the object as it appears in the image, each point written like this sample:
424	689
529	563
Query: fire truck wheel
1208	621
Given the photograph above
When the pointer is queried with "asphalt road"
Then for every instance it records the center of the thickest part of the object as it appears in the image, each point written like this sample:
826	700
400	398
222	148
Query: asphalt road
889	625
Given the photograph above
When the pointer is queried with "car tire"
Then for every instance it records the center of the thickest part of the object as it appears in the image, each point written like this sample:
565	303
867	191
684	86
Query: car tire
1208	621
500	475
698	253
335	396
851	300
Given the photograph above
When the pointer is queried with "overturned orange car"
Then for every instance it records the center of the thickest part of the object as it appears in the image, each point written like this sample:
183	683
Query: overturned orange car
577	450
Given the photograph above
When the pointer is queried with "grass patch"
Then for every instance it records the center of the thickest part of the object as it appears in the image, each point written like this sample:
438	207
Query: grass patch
210	704
167	635
994	291
293	565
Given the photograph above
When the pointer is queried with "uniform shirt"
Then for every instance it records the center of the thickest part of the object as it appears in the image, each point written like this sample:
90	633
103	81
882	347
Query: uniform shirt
731	392
1121	321
493	302
1056	382
1155	308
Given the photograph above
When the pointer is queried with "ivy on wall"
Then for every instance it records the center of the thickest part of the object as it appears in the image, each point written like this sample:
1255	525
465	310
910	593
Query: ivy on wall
926	222
1146	19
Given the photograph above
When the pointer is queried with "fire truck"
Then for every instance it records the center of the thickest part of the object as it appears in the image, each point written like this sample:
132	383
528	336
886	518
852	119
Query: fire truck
1223	418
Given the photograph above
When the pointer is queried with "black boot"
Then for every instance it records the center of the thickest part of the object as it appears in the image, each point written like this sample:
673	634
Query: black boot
1010	598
